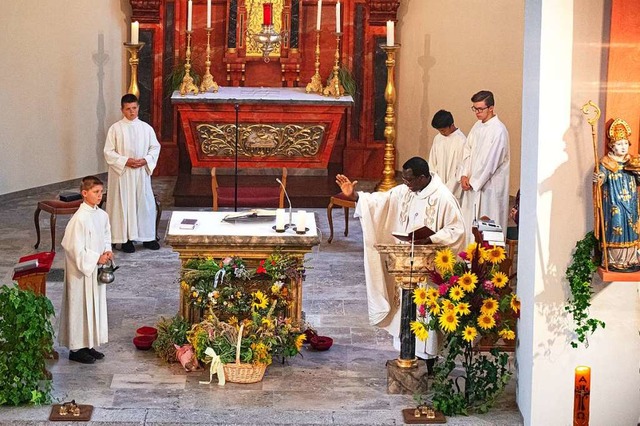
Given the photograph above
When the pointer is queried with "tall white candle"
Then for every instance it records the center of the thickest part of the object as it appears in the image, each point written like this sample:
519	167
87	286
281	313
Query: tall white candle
319	15
301	221
280	219
338	16
135	32
208	13
390	33
189	9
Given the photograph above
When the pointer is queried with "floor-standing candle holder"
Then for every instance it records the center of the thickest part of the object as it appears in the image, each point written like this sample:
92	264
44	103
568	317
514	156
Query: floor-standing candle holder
208	83
334	88
188	85
133	50
316	81
389	172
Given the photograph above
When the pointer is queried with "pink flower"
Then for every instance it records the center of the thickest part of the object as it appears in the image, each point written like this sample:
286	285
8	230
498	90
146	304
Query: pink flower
488	285
422	311
453	279
462	255
227	260
443	289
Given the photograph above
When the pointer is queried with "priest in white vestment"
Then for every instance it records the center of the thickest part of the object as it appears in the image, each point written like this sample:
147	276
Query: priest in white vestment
132	152
87	244
447	151
485	170
423	200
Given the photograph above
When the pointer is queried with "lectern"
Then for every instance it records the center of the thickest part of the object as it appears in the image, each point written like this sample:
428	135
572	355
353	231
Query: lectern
408	266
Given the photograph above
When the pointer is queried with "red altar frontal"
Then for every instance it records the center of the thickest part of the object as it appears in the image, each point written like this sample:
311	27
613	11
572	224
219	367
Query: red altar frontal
277	127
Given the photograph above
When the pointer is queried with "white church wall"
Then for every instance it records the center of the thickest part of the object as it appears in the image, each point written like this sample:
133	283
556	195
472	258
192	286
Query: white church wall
64	71
451	50
564	45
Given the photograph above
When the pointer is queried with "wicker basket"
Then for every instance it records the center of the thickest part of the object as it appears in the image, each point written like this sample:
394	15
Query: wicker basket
240	372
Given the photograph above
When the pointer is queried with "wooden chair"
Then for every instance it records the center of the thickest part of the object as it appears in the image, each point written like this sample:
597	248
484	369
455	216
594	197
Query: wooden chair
54	208
253	191
346	204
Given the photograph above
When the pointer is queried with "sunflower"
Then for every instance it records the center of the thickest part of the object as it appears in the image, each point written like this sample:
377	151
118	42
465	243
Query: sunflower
486	322
468	281
456	293
462	308
432	293
515	303
469	333
444	260
489	306
275	289
299	340
448	321
499	279
420	295
259	300
448	305
267	323
495	254
419	330
434	308
507	334
471	250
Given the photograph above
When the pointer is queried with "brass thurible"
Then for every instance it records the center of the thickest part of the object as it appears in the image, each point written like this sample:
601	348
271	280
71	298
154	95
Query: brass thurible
133	50
188	85
315	85
208	83
334	88
389	172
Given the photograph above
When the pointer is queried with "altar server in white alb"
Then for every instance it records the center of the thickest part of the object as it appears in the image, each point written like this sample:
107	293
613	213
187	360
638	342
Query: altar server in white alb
423	200
87	244
485	170
132	152
447	151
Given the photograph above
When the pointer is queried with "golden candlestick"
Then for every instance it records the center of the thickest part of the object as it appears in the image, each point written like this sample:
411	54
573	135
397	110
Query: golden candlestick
316	81
133	50
207	79
187	81
334	88
389	173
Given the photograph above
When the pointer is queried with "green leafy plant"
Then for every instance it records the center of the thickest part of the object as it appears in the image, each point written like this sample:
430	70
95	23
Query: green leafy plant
579	274
346	79
171	331
26	337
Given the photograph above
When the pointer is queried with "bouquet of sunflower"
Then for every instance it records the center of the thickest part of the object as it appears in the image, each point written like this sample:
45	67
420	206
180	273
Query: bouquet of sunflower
468	299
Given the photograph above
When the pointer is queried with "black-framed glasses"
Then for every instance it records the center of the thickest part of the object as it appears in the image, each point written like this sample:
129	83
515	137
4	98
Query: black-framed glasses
474	109
411	180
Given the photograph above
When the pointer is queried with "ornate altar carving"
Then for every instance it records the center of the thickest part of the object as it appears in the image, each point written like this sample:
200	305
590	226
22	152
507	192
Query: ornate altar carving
381	11
260	140
147	11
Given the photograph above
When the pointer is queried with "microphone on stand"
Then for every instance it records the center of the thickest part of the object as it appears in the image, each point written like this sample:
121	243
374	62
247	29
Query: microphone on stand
288	200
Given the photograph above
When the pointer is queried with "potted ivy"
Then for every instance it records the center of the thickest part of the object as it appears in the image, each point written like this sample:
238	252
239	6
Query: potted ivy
26	337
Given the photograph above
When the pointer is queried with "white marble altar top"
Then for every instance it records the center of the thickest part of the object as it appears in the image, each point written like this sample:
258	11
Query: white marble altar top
210	224
262	95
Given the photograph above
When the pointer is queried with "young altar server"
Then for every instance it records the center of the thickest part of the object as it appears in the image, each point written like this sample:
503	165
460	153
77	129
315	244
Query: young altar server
485	170
132	152
447	151
87	244
423	200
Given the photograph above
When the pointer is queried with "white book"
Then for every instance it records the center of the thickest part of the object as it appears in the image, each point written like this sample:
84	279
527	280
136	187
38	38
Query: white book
493	236
26	265
488	225
495	243
188	223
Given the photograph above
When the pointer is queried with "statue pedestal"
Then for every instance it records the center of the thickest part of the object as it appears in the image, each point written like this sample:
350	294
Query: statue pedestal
408	265
407	381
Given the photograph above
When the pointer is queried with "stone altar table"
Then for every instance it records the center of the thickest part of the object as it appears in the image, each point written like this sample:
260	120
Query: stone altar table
251	240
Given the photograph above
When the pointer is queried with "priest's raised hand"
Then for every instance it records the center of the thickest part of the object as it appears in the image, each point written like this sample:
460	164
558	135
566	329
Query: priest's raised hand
347	187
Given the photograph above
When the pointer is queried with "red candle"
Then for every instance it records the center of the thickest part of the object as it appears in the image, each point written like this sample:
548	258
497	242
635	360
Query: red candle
267	9
582	391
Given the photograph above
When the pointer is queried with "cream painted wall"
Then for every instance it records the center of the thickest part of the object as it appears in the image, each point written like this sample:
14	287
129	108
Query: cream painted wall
64	71
451	50
565	47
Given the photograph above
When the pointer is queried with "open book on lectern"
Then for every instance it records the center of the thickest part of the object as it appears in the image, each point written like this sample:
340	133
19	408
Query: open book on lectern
250	215
418	234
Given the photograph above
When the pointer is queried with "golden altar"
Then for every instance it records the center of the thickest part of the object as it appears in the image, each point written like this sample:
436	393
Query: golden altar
253	240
